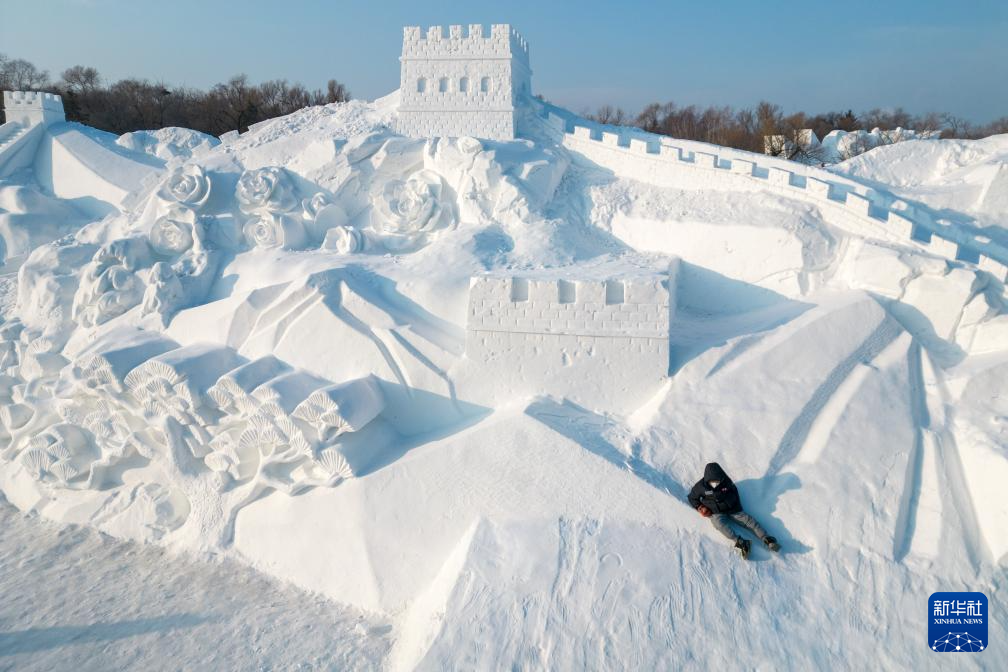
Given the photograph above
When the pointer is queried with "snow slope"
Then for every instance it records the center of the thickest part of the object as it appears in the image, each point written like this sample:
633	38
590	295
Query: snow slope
464	386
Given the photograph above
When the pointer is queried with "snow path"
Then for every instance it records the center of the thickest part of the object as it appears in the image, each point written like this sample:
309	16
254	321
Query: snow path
71	598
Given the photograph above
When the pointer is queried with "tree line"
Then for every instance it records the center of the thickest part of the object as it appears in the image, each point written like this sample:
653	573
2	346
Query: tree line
747	128
141	104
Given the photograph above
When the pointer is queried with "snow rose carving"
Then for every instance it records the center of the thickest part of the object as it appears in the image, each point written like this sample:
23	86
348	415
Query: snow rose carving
109	285
187	185
343	239
176	232
266	189
268	230
411	210
320	215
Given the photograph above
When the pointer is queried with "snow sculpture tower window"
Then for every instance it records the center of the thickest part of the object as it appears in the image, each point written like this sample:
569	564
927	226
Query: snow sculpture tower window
481	80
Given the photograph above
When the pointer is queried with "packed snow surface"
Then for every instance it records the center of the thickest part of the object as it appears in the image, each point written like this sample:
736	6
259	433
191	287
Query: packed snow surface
74	594
460	388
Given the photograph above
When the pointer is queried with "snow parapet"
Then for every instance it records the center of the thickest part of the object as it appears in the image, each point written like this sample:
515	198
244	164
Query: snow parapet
31	108
617	329
656	160
459	85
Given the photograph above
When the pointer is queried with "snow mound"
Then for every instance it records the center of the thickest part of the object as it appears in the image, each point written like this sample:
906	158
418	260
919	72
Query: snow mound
970	176
167	143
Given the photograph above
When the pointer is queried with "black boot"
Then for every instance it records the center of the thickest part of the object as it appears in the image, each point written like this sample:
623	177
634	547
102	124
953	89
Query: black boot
742	546
771	543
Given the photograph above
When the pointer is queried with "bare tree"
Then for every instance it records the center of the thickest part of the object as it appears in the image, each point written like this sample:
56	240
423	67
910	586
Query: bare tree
956	127
336	92
81	80
20	75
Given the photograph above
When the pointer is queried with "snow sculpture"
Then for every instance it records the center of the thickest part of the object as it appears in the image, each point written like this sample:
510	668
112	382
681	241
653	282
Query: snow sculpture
341	408
410	211
176	232
343	239
32	108
269	230
164	294
60	454
320	215
463	85
232	393
109	285
265	189
28	114
105	364
267	197
280	431
577	330
187	185
174	384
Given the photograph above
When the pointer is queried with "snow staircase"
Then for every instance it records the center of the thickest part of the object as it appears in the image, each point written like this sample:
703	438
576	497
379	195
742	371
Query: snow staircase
28	114
15	152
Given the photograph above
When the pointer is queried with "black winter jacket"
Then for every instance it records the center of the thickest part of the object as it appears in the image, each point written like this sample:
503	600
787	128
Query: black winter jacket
724	499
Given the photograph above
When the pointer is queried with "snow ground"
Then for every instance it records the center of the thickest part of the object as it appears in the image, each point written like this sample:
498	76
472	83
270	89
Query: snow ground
72	598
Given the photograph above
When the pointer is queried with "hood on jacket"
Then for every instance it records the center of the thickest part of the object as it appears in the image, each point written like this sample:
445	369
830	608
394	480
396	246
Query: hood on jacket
714	472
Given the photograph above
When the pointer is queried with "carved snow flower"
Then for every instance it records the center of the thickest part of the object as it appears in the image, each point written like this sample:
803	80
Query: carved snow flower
176	232
266	189
187	185
108	285
320	214
412	209
343	239
269	230
312	206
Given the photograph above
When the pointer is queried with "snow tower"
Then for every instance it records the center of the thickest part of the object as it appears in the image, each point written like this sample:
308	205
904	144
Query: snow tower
463	84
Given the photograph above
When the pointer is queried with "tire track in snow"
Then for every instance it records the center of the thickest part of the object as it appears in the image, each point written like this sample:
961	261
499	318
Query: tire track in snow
797	433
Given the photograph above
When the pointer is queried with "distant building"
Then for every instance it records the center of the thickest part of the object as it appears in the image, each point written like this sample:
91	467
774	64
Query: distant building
463	84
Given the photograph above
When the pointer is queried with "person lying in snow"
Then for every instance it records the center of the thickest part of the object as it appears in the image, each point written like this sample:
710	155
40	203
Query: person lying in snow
717	498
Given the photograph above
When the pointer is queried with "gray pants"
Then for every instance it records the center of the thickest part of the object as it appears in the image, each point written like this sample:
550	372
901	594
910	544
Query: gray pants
721	520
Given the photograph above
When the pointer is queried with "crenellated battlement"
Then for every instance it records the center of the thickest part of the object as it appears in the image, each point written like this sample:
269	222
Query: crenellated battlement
614	308
33	107
664	161
613	328
463	82
460	41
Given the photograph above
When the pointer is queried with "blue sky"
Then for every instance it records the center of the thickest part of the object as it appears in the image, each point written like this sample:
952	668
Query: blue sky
815	56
